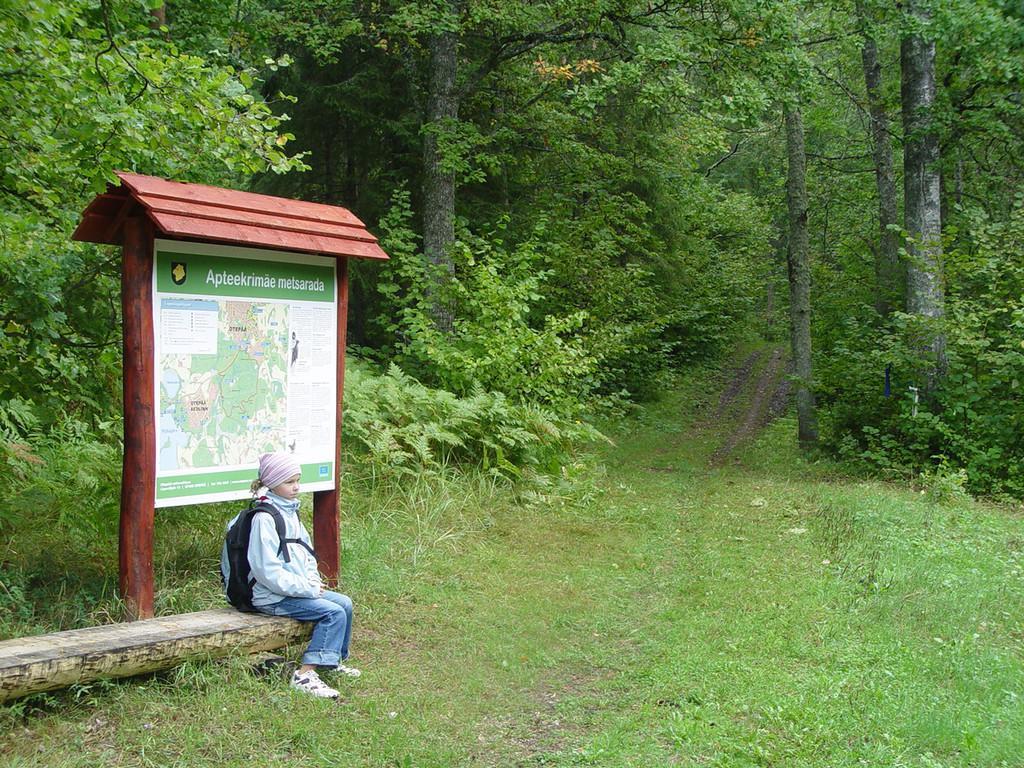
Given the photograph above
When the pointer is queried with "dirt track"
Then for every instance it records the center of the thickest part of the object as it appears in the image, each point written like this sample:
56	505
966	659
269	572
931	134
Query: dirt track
754	396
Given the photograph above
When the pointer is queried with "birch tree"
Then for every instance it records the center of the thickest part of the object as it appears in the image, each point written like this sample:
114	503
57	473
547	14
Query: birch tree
921	178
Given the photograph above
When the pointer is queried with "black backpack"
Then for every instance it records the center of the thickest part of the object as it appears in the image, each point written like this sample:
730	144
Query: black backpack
238	581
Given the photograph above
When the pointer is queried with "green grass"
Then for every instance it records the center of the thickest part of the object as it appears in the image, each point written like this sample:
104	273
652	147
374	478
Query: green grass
766	613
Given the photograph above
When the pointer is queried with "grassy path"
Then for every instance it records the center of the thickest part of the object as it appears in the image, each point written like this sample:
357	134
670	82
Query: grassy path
684	608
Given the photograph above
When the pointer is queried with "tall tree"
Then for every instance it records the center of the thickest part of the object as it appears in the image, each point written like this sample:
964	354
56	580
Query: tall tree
465	47
799	275
888	277
921	178
439	180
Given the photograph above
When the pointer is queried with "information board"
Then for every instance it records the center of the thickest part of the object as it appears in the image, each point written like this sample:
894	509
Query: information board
246	350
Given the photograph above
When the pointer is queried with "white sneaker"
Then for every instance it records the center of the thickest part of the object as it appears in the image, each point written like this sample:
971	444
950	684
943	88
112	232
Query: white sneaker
310	682
347	670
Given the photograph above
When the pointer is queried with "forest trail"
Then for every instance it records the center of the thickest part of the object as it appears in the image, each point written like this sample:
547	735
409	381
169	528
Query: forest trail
756	393
704	595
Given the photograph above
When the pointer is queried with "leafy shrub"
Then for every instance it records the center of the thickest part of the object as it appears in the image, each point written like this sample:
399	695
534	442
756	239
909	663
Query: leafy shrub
945	486
499	341
86	91
972	419
16	610
572	312
65	479
656	297
58	522
394	425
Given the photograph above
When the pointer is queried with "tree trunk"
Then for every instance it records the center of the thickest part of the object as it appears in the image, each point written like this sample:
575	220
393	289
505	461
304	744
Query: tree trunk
888	277
158	18
799	276
921	186
439	183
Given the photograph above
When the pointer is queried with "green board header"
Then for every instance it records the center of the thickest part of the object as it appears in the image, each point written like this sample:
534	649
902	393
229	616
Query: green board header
315	476
227	276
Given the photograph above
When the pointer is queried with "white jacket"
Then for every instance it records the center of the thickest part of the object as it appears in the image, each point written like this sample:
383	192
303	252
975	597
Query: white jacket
275	578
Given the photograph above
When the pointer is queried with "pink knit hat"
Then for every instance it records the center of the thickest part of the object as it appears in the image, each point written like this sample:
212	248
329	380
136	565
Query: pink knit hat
275	468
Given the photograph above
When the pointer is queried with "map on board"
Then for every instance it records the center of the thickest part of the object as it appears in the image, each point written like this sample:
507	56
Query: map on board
246	350
224	408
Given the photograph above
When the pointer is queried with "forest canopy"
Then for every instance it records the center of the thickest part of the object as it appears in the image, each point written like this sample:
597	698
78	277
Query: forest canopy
579	199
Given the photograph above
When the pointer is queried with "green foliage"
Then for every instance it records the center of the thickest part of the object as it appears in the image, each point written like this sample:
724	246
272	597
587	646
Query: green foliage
498	342
618	169
85	92
945	486
85	96
58	521
541	322
971	421
60	326
593	253
396	427
67	479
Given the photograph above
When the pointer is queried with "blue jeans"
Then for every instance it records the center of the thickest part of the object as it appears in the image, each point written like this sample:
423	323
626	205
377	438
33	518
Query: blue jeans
332	613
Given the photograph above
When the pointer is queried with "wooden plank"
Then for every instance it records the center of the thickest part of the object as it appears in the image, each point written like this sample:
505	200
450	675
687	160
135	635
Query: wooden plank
197	211
95	224
138	469
326	513
261	219
46	662
114	225
233	198
93	229
241	234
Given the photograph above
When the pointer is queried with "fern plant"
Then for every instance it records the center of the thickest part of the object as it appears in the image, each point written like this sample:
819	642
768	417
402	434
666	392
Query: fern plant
394	425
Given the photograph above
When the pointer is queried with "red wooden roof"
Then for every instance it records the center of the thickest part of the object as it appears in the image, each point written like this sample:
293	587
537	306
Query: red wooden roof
211	214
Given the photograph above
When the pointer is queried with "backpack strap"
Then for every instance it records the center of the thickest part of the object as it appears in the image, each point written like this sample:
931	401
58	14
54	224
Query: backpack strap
278	518
302	544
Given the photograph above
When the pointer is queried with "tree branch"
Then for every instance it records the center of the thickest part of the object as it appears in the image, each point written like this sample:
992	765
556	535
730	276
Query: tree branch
146	82
735	148
513	47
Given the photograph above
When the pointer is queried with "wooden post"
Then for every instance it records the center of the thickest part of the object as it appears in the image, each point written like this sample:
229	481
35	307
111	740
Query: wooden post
325	503
138	471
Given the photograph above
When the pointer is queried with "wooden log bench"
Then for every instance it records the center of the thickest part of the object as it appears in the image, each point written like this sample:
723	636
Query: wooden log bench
45	662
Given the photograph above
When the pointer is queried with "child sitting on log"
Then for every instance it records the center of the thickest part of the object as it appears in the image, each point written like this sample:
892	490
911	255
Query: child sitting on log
291	586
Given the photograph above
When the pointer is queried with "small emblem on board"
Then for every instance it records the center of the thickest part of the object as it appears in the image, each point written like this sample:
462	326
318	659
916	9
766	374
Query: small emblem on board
178	272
